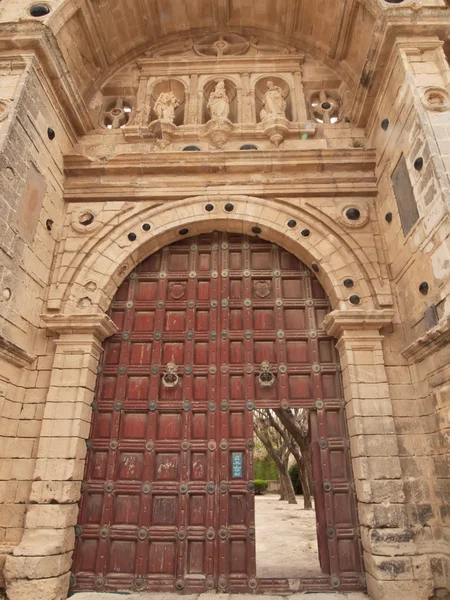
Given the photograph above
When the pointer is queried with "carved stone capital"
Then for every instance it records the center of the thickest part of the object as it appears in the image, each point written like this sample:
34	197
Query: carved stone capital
96	324
339	322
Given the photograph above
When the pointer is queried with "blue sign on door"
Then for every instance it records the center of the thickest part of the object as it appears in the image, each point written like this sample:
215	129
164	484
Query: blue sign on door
237	465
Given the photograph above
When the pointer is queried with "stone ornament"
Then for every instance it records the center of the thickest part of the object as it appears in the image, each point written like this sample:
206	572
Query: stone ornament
222	44
4	110
219	103
436	99
360	222
273	112
85	220
219	127
165	106
117	115
325	108
274	104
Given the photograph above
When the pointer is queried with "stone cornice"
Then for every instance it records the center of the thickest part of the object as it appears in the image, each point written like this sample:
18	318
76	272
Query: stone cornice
97	324
14	354
34	38
432	341
309	172
340	322
308	160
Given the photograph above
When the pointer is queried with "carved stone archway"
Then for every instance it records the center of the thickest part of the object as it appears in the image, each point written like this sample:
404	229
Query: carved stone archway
45	553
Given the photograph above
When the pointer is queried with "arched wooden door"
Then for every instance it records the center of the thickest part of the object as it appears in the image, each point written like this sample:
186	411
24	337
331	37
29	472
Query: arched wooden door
167	499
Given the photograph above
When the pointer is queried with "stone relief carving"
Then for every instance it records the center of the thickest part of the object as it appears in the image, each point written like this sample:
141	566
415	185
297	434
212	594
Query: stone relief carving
325	107
274	105
221	44
117	114
436	99
4	110
224	44
176	102
165	106
272	94
219	103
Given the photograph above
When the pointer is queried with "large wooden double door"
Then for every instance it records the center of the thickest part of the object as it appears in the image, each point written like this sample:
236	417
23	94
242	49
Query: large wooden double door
209	328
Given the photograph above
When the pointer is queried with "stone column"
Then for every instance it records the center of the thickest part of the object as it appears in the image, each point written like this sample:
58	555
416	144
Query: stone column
300	110
247	100
143	107
191	108
387	538
40	564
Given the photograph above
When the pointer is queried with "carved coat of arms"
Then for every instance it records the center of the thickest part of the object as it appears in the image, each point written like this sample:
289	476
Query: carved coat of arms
262	289
177	290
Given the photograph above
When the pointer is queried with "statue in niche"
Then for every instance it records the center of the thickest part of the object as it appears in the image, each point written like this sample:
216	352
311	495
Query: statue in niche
274	104
219	103
165	106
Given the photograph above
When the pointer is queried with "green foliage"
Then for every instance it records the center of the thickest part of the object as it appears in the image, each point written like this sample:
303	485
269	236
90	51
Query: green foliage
265	468
261	486
295	478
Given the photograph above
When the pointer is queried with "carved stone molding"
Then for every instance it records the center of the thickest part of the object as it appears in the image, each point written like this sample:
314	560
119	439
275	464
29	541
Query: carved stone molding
218	131
339	322
164	132
97	324
432	341
276	129
14	354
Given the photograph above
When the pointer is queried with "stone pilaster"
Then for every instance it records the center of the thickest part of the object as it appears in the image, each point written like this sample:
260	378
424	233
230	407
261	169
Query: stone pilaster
45	553
388	540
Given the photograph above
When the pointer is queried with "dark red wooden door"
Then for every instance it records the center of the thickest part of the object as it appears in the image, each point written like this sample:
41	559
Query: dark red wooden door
209	329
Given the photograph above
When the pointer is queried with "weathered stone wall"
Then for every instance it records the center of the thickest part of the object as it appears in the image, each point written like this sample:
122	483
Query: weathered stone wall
413	99
32	211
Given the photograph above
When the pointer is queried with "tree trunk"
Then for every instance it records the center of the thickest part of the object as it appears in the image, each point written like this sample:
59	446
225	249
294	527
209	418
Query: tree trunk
282	487
303	474
290	493
288	420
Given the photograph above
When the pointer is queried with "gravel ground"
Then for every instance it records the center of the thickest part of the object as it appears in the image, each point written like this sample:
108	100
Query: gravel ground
286	541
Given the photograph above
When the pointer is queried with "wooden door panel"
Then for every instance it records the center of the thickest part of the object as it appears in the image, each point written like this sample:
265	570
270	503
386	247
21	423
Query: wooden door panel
168	497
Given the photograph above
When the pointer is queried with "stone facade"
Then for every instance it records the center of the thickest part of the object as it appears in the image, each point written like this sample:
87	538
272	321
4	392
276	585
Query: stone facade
352	150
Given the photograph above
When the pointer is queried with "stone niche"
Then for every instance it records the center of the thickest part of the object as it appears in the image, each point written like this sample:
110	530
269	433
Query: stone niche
257	89
176	88
232	96
262	89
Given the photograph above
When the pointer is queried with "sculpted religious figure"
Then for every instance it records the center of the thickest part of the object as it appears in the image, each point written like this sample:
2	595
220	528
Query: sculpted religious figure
274	104
165	106
219	103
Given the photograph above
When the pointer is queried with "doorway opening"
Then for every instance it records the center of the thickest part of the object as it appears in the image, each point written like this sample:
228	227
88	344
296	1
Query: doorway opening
285	511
